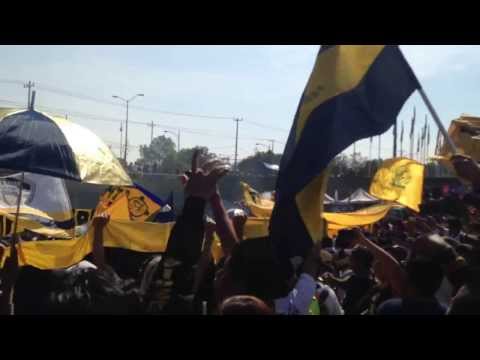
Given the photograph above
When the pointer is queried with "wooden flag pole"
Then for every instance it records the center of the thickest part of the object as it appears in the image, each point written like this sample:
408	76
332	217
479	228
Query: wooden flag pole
437	121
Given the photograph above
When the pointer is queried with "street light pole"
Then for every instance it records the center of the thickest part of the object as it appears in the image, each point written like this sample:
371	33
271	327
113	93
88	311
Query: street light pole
178	137
127	102
236	144
126	137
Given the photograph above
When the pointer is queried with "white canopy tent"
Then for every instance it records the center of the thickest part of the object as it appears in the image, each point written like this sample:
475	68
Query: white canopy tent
360	196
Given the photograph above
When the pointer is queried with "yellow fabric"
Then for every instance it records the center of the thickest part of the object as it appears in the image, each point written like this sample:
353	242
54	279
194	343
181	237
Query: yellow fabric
400	180
96	162
259	206
27	224
137	236
127	203
256	227
336	71
363	217
217	252
310	205
4	112
36	212
56	254
465	134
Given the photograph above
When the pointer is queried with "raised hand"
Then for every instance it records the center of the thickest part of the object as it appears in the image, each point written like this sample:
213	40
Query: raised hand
202	182
100	221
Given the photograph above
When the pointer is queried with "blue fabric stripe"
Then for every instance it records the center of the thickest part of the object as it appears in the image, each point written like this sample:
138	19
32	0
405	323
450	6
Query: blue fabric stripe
152	196
368	110
32	142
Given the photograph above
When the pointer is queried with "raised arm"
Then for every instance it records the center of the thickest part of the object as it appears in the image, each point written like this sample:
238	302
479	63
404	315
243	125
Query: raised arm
225	229
185	242
390	268
98	251
205	258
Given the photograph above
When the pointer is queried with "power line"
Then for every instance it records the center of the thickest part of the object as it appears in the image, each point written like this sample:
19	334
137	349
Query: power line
77	95
87	116
59	91
264	126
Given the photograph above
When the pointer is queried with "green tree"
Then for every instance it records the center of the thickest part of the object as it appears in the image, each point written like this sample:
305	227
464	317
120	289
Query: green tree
161	152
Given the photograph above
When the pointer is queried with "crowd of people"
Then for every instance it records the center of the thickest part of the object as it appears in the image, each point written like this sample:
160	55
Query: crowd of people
425	263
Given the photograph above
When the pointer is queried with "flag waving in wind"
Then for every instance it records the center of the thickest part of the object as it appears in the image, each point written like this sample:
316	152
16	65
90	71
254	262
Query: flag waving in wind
354	92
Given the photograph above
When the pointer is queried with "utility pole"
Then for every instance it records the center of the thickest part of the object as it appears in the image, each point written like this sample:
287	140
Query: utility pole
178	141
151	131
126	138
272	141
236	144
127	102
29	86
121	139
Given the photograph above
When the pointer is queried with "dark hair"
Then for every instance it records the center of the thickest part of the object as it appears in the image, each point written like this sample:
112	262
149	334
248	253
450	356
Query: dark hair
424	275
344	239
244	305
362	256
327	242
254	265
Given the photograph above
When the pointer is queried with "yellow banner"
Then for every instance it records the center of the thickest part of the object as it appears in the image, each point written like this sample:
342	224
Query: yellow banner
363	217
399	180
126	203
56	254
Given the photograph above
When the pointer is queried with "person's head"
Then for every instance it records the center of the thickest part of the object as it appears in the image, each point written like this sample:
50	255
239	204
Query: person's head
361	259
434	247
244	305
253	269
327	243
424	276
344	239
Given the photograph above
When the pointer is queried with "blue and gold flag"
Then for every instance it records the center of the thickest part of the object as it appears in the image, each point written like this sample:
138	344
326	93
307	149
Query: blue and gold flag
354	92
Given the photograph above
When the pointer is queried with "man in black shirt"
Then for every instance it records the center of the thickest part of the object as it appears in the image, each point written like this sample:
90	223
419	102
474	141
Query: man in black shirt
424	279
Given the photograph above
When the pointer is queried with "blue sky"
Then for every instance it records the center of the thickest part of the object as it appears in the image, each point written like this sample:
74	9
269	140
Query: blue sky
261	84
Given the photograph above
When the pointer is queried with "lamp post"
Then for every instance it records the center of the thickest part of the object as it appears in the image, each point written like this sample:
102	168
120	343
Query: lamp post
177	135
127	102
